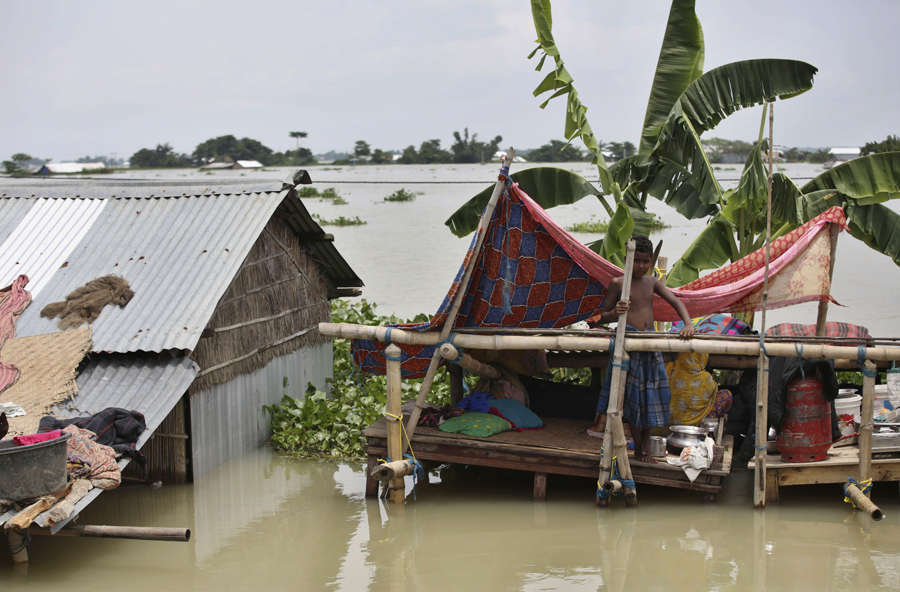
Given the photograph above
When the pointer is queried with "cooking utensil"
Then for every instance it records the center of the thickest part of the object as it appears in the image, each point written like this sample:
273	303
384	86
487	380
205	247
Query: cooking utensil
683	436
657	446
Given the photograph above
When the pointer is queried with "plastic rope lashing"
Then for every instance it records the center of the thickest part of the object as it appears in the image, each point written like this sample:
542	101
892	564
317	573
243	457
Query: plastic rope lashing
861	360
864	486
387	335
798	347
762	345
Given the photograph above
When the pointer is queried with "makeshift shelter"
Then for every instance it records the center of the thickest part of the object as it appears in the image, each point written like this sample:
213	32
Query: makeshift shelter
524	280
228	288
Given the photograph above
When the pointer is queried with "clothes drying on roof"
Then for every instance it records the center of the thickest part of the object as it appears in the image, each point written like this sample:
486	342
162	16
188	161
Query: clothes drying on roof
531	273
83	451
84	304
114	427
14	299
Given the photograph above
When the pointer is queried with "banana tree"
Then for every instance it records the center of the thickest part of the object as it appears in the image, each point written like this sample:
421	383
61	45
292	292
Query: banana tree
860	187
671	164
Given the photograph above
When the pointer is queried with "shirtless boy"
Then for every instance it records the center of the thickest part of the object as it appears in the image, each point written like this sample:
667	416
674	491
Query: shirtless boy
646	401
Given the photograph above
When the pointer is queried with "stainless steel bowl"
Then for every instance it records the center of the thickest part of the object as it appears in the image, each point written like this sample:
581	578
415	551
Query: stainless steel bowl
683	436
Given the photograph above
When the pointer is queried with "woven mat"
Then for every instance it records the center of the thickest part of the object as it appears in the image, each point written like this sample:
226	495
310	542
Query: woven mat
47	368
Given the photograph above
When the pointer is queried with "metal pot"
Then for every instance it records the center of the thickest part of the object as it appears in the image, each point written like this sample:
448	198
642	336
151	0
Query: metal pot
710	424
657	446
683	436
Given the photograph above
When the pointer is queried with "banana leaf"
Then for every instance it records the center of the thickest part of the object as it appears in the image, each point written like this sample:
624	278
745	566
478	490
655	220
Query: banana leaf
868	179
548	186
722	91
612	246
680	63
785	201
712	248
876	225
680	173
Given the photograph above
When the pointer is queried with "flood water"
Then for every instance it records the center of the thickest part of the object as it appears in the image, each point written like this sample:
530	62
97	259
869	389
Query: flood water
268	522
264	522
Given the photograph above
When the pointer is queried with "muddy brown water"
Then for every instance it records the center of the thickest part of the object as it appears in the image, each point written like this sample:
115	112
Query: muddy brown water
265	522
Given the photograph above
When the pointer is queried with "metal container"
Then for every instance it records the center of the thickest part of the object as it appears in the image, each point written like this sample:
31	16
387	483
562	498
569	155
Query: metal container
805	434
34	470
683	436
657	446
711	425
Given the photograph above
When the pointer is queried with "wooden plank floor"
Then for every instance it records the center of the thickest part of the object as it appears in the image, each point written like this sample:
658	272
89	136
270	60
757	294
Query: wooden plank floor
842	462
560	447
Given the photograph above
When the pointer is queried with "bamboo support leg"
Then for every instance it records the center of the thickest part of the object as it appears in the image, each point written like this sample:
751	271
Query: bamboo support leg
540	486
762	431
394	416
865	428
456	383
862	503
822	314
18	545
371	482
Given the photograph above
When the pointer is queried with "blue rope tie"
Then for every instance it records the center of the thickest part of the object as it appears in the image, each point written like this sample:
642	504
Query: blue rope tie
762	345
387	335
861	360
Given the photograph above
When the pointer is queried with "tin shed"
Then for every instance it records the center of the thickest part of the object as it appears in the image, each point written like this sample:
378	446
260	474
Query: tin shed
228	291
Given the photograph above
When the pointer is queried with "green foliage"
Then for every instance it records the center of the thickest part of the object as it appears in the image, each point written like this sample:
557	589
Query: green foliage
889	144
362	149
163	156
323	425
227	146
307	191
329	193
819	156
466	149
401	195
555	151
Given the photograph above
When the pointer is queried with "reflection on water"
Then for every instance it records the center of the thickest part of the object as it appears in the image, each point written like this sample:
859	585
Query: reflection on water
264	521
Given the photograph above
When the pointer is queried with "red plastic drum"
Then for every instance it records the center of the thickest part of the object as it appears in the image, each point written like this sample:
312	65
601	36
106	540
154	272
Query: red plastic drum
806	431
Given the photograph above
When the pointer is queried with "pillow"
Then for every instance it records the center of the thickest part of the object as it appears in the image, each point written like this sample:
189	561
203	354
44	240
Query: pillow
475	424
516	413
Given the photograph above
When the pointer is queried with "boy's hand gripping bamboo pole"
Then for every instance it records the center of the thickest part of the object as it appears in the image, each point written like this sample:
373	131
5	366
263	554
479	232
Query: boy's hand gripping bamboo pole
614	444
458	297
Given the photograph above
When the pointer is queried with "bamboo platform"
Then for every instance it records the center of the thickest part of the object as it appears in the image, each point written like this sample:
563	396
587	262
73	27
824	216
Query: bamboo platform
842	462
561	447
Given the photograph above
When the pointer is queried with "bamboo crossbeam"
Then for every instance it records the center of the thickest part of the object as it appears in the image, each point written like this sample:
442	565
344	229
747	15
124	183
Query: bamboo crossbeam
720	345
467	362
393	470
140	533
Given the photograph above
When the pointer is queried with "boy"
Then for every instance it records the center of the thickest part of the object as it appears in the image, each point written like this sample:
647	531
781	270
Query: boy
646	401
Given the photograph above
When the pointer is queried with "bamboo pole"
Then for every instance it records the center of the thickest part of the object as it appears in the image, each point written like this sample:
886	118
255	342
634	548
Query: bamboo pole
762	373
140	533
600	342
393	470
865	428
762	431
614	444
393	414
823	304
460	292
862	502
455	375
467	362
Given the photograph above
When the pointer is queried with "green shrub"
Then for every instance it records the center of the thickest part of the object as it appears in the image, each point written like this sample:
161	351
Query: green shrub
401	195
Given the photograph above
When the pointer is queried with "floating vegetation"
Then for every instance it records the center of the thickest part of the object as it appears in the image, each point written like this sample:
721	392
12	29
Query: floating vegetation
592	226
307	191
331	425
329	193
340	221
401	195
339	201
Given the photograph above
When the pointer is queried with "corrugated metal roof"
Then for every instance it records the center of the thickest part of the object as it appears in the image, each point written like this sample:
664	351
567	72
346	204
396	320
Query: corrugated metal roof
151	384
178	254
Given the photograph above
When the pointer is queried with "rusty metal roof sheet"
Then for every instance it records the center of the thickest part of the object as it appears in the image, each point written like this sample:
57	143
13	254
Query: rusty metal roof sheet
178	254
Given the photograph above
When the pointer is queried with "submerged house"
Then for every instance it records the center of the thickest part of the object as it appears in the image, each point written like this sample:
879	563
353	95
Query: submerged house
228	291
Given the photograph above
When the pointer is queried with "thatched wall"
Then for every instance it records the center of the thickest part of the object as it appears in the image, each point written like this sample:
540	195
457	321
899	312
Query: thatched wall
272	307
166	453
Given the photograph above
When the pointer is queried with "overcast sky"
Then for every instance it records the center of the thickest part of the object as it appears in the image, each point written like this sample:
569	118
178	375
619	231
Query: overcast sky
112	77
